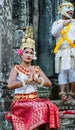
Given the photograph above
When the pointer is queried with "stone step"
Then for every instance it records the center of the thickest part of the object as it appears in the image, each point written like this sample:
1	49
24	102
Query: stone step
68	105
67	120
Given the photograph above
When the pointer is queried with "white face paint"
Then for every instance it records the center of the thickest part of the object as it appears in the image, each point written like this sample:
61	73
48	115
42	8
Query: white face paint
67	11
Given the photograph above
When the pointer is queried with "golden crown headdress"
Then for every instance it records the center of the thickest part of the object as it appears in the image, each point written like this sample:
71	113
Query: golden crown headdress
28	41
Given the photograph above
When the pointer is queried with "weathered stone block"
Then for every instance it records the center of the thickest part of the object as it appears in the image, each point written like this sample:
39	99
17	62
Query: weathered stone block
16	59
23	21
17	34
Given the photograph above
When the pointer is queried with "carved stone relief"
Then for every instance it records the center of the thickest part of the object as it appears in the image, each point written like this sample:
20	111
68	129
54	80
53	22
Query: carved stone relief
6	37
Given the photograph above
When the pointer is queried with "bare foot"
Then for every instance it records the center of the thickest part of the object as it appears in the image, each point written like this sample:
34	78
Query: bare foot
70	98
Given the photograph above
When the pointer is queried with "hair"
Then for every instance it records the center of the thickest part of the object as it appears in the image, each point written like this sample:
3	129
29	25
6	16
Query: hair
30	48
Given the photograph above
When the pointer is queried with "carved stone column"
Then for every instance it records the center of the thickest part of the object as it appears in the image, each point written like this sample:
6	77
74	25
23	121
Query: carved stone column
5	38
20	21
36	24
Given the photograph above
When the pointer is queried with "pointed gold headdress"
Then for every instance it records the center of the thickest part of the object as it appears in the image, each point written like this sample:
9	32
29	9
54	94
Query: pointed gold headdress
28	41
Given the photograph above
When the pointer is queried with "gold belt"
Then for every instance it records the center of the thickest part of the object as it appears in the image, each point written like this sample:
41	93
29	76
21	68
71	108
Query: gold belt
26	96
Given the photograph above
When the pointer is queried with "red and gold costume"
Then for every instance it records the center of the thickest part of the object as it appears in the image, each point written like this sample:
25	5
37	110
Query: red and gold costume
29	111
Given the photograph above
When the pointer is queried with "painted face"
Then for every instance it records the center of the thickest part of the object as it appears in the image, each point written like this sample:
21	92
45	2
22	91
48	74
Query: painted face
67	11
27	55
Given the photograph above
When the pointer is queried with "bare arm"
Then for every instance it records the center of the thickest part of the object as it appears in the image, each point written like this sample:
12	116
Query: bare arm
12	82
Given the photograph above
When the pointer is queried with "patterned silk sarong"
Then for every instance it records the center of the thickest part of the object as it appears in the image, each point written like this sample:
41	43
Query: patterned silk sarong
28	114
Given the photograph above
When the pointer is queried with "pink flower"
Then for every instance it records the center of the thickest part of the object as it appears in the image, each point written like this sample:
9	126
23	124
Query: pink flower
20	52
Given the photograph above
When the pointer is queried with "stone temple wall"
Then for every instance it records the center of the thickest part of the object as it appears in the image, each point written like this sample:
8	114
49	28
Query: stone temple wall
20	16
12	23
15	15
5	38
5	54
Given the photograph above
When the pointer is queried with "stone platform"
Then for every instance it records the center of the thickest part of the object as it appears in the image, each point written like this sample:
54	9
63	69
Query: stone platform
67	120
67	114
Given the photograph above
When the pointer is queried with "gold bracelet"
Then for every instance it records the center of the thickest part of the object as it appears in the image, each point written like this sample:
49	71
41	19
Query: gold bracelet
42	82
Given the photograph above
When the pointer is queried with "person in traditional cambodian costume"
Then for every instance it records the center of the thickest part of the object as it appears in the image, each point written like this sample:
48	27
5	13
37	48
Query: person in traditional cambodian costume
64	32
28	110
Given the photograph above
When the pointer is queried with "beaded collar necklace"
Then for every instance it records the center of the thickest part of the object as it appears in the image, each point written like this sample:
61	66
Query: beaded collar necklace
23	70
